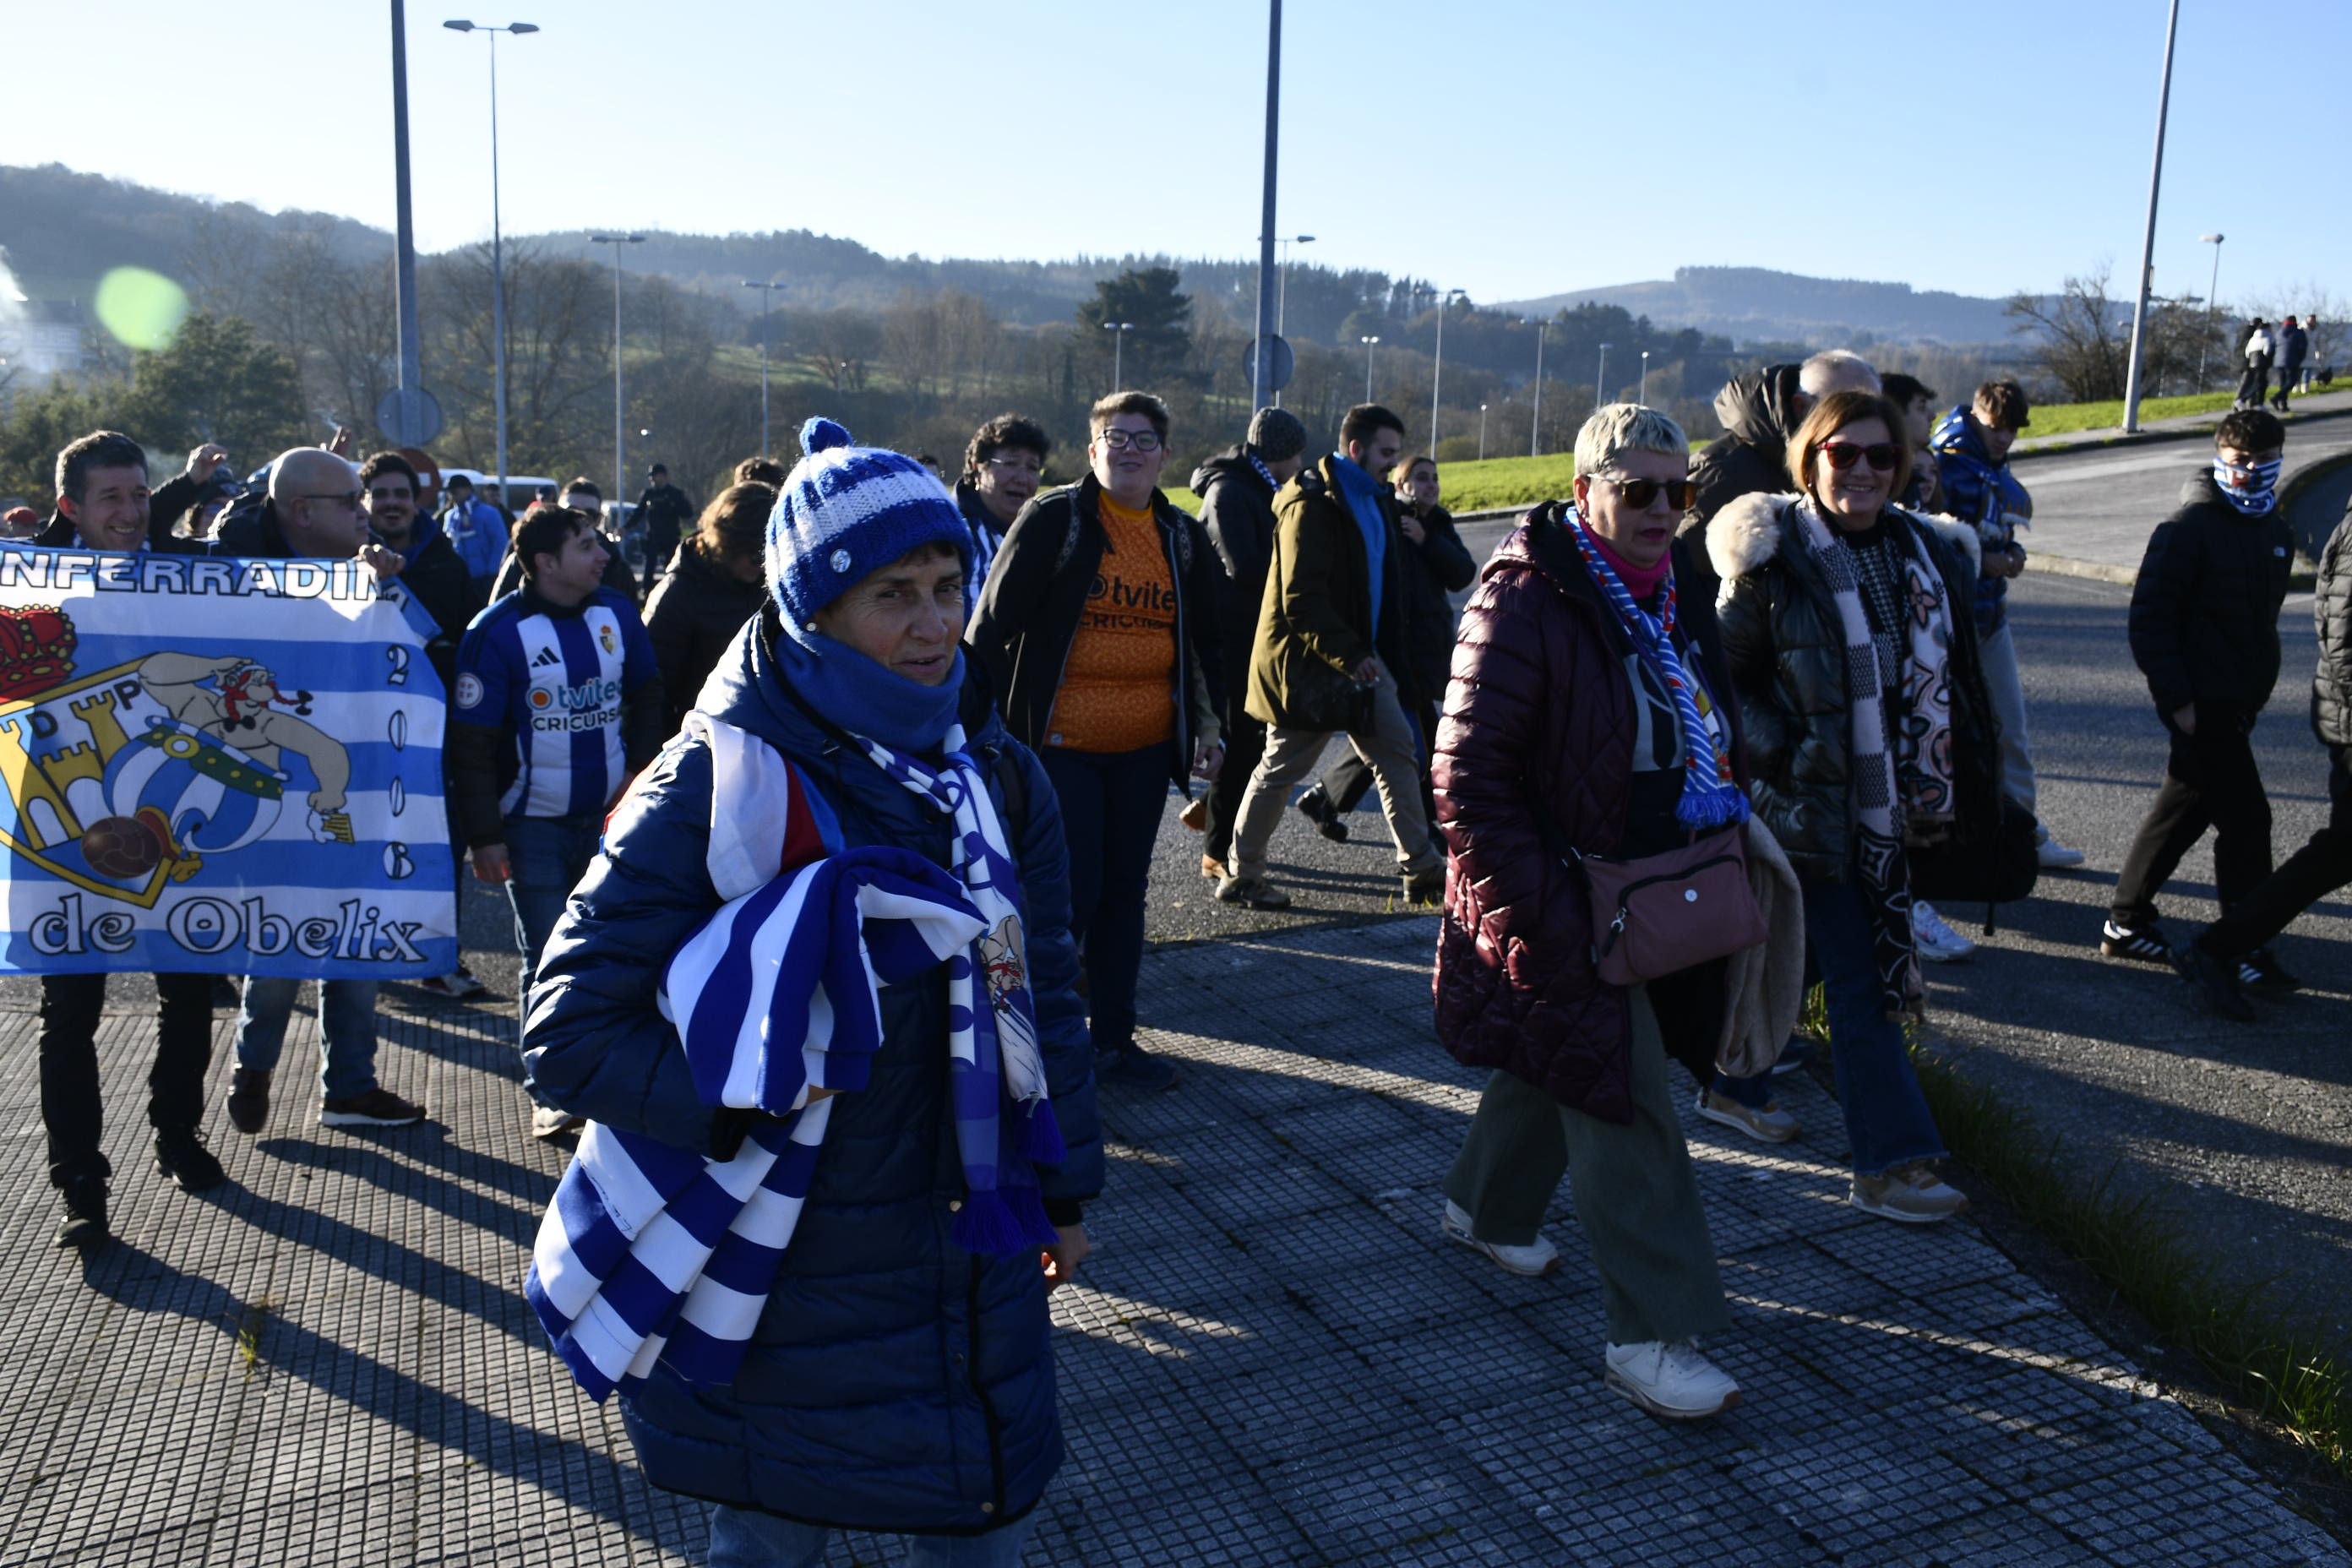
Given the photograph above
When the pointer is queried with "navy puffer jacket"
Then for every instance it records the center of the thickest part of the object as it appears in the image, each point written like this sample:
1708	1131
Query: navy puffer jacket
895	1382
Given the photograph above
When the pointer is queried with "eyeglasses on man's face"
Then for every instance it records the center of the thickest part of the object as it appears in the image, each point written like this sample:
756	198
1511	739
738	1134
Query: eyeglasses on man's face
1119	440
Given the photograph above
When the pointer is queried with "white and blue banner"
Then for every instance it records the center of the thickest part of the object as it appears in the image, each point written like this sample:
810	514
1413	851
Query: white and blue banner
217	766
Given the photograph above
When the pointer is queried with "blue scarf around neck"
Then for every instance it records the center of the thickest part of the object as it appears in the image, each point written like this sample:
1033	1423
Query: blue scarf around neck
853	692
1363	499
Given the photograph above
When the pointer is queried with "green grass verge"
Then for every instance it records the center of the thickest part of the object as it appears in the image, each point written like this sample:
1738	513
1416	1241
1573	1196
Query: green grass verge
2064	418
2236	1328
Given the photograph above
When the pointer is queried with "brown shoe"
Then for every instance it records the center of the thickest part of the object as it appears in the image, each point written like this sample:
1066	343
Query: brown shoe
1212	867
1195	815
1424	886
249	1099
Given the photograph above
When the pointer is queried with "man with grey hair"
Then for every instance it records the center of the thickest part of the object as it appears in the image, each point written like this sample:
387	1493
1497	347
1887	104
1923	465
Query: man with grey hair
1760	411
1236	488
314	511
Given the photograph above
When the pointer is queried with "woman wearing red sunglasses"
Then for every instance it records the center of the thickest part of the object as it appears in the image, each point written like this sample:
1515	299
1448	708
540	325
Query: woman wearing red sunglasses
1869	731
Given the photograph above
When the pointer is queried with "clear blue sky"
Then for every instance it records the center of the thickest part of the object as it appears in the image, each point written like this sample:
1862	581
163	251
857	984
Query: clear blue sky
1511	148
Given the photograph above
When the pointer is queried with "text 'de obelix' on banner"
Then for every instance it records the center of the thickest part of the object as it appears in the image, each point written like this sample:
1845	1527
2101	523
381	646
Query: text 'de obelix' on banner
215	765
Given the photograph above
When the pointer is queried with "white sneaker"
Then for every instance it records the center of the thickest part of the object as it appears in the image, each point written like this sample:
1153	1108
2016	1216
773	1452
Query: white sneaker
1770	1125
1535	1260
2052	856
1669	1378
1938	942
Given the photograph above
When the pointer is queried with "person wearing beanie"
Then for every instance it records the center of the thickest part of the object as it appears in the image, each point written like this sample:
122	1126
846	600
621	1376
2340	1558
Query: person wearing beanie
1094	631
1236	488
899	1375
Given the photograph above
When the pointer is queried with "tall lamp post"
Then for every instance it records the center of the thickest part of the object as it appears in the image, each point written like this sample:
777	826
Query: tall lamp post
767	306
1437	362
1535	430
1601	376
1282	278
2148	241
620	437
2212	305
1369	344
1643	394
1482	432
498	268
1118	352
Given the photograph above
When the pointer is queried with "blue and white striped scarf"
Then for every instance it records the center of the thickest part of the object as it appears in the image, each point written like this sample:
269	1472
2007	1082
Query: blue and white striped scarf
1711	794
2252	490
655	1254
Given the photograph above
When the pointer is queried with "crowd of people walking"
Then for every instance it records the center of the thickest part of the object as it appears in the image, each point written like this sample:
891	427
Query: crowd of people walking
1709	730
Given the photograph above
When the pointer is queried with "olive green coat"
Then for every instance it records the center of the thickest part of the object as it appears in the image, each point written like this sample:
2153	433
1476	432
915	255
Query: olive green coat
1315	623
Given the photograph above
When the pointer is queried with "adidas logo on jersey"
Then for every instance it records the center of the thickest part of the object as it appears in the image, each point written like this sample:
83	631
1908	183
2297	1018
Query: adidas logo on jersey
545	657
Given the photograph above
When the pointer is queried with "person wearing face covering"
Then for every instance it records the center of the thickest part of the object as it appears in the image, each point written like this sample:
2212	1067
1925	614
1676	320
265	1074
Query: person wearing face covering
2204	631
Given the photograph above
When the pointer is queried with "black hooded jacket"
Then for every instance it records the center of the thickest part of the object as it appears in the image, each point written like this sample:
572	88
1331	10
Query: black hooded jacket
694	616
2205	609
1751	457
1237	513
2331	609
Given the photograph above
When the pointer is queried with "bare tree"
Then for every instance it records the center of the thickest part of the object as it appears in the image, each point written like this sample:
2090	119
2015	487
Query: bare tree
2084	348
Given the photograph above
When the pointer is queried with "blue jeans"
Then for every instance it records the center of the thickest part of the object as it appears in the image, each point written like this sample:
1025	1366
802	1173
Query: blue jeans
546	857
745	1538
1112	806
1887	1118
346	1030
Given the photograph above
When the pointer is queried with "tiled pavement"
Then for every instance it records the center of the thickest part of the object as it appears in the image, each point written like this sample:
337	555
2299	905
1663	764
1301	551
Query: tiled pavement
1275	1359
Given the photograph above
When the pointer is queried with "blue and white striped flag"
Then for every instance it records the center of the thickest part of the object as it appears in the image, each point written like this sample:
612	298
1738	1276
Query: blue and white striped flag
217	766
652	1253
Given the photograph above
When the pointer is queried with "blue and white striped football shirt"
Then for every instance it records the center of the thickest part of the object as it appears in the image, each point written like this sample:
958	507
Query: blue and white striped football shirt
555	679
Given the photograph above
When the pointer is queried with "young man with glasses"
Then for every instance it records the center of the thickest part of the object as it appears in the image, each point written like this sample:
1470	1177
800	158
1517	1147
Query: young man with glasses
557	705
103	503
2204	631
1332	631
1971	445
1097	629
316	509
1001	469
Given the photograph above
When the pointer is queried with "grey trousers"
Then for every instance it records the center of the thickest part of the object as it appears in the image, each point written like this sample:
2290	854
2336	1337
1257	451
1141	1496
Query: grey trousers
1999	654
1636	1197
1389	748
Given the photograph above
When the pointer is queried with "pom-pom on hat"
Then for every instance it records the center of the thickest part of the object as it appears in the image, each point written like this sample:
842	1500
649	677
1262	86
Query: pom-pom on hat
844	511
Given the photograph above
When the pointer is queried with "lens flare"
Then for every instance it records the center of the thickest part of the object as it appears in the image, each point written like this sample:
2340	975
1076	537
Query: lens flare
143	310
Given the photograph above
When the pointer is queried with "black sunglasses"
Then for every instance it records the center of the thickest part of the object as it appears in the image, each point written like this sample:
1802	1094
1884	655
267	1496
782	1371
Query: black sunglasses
1641	494
1880	454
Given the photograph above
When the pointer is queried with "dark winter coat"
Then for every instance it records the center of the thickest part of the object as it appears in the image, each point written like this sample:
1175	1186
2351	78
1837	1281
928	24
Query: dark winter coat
693	618
1315	620
440	579
1786	646
666	514
2293	344
1036	591
2205	609
1237	516
2331	611
1541	723
1751	457
1988	497
895	1382
1434	570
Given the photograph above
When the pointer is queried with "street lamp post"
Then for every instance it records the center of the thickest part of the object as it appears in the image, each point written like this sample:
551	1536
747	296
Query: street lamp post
1118	352
2212	305
1282	278
620	437
498	267
1535	430
2147	240
767	307
1643	394
1601	376
1437	362
1369	344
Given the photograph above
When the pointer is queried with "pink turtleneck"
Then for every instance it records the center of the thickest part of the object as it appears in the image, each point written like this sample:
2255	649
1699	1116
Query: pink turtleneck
1642	581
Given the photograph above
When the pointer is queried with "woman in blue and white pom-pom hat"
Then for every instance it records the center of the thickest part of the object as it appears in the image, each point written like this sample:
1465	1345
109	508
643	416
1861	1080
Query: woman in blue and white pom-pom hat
900	1377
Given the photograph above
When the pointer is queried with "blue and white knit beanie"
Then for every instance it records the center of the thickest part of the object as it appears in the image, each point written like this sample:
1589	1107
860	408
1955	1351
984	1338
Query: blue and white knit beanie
845	511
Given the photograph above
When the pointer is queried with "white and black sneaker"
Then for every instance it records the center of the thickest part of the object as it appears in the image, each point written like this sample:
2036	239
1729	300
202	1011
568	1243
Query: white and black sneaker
2141	944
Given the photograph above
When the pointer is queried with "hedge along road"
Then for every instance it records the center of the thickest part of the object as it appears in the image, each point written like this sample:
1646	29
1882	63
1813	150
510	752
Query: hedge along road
2243	1129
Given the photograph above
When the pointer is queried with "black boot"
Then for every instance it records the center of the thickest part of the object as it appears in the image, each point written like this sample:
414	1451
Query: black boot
84	1224
1316	807
181	1154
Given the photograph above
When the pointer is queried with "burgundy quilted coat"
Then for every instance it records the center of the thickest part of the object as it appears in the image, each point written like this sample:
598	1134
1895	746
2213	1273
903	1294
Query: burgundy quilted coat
1540	713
